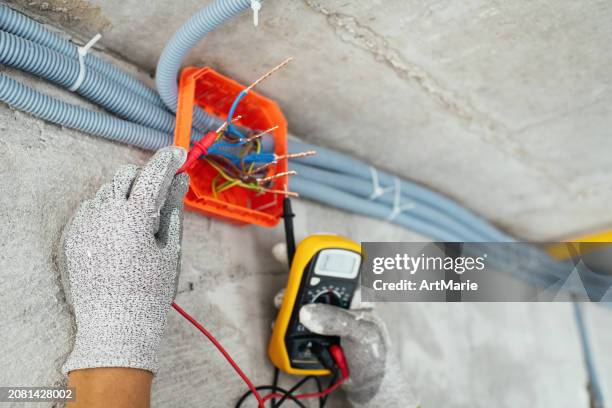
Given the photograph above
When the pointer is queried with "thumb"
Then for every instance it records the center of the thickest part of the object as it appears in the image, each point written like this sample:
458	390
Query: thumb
151	187
329	320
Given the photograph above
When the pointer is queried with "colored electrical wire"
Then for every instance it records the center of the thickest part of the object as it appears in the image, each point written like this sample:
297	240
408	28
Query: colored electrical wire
275	377
337	355
231	129
286	394
219	347
309	395
295	388
269	387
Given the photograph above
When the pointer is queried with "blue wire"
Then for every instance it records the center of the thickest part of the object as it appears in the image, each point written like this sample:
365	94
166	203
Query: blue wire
219	152
230	128
259	158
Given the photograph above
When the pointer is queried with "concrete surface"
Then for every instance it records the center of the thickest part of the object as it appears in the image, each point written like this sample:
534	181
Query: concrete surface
505	106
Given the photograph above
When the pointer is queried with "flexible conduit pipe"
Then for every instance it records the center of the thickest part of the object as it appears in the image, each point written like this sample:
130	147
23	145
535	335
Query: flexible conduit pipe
345	201
198	25
340	163
363	189
100	124
521	260
35	59
16	23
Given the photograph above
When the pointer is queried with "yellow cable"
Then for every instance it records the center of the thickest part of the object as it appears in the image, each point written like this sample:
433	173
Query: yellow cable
566	250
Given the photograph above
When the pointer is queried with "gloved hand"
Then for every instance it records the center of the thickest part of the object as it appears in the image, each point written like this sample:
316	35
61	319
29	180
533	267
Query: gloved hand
375	379
120	259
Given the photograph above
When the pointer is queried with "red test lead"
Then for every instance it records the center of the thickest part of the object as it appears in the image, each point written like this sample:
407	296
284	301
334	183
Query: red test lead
199	148
338	355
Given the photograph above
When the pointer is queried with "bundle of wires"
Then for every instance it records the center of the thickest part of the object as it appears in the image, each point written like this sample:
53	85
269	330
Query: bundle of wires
238	156
239	162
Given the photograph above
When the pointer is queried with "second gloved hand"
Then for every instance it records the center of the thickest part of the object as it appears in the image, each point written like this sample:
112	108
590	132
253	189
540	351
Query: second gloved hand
119	260
375	379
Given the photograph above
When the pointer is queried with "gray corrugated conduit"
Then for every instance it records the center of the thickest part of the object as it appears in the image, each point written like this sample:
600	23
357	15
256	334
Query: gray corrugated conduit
35	59
185	38
22	26
62	113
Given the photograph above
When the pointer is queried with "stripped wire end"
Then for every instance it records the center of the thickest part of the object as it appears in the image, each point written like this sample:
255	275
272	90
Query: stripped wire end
286	193
260	134
275	176
227	122
245	91
296	155
239	158
267	74
277	158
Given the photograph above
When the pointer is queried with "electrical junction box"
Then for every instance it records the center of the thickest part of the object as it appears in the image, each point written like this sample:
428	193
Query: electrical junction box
215	93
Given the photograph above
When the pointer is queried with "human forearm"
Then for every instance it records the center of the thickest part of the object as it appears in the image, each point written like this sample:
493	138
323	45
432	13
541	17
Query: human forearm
110	387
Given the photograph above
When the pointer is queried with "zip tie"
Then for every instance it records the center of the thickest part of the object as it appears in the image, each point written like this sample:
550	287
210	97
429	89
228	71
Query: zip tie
82	52
255	6
398	208
377	189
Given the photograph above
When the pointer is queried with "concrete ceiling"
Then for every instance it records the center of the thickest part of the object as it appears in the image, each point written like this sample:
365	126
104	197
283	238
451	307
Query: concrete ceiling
503	105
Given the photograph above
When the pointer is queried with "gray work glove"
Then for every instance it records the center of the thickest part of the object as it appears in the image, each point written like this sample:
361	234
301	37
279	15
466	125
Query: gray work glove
119	261
375	379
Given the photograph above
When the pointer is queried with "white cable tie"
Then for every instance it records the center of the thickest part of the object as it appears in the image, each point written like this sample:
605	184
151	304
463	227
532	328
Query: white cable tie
398	208
377	189
255	6
82	52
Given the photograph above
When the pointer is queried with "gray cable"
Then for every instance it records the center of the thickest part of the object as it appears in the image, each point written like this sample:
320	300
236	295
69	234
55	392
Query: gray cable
62	113
16	23
185	38
35	59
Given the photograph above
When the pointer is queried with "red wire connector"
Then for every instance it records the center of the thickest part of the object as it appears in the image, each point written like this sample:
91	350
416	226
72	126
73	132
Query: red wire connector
199	148
338	355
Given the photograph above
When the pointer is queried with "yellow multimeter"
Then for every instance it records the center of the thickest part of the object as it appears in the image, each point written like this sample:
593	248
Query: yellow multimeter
325	269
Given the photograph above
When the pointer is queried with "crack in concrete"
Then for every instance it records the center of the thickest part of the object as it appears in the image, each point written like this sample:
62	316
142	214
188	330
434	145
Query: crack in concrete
350	30
492	130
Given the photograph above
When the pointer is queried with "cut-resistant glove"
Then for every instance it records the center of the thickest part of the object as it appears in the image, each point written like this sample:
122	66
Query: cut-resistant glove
119	261
375	379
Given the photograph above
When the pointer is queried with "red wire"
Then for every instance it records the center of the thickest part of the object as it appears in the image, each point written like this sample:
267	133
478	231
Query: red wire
219	347
339	358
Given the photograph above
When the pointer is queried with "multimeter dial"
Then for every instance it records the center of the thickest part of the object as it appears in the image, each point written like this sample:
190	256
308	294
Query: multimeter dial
331	295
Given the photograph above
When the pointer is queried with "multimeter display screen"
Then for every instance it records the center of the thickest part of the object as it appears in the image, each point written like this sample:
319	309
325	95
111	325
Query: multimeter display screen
337	263
340	264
